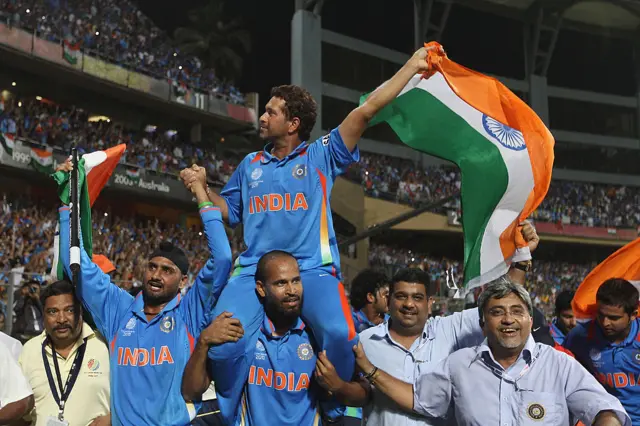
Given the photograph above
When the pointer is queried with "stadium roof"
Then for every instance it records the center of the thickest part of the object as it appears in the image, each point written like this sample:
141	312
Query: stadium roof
614	17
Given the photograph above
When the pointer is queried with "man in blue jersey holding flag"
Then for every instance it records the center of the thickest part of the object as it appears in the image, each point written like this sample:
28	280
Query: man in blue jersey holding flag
280	389
281	196
152	336
609	345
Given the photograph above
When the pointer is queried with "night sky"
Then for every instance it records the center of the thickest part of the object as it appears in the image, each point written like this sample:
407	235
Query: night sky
477	40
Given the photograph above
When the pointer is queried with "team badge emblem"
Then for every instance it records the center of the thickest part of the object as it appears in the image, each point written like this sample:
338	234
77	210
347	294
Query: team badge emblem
305	352
325	140
256	173
131	324
508	137
637	356
595	354
535	411
93	364
299	171
167	324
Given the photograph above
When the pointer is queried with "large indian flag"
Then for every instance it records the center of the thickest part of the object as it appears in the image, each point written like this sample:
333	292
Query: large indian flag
624	263
503	149
94	171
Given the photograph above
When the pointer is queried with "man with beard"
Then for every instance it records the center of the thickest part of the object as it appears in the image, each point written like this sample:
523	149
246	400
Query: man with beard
279	390
152	335
564	320
281	195
609	346
508	379
67	365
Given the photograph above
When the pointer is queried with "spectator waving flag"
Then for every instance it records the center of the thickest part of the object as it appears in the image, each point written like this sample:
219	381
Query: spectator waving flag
624	263
94	171
503	149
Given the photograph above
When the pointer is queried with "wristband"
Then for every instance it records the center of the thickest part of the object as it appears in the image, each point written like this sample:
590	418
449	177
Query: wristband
205	204
371	373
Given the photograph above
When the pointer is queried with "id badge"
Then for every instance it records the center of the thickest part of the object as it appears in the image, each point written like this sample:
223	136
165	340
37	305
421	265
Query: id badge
54	421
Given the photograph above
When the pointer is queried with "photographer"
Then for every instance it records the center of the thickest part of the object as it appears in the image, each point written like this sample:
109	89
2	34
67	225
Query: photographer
28	312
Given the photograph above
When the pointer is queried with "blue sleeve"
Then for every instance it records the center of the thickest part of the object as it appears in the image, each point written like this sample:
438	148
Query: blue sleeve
232	194
331	155
199	301
466	328
106	303
433	389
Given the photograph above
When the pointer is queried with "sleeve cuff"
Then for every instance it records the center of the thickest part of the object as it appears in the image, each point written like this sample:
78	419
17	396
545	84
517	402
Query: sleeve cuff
210	212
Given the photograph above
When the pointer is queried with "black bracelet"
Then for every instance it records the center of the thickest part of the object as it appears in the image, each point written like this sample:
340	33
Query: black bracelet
371	373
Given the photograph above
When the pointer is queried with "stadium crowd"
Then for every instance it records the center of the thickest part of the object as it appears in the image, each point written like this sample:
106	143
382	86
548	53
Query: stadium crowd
116	30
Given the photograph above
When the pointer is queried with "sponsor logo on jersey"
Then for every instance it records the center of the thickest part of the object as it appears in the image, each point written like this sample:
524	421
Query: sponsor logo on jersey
299	171
595	354
167	324
277	380
277	202
535	411
93	364
140	357
256	173
305	352
261	352
325	139
131	324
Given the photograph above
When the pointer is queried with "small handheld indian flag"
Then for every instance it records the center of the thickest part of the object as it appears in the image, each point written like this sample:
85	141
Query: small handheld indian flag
94	171
624	263
503	150
42	160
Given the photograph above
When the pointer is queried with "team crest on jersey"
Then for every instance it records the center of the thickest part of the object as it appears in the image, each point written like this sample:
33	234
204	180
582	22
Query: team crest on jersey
299	171
305	352
131	324
535	411
167	324
256	173
595	354
508	137
637	356
261	352
325	139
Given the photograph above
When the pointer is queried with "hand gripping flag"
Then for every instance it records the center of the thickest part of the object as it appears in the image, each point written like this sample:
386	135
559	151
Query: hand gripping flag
503	149
94	171
624	263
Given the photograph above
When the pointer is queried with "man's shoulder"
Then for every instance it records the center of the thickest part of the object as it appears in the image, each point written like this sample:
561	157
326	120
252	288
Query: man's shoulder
373	332
579	335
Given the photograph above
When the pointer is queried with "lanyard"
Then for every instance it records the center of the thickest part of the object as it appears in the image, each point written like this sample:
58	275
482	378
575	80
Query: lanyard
71	378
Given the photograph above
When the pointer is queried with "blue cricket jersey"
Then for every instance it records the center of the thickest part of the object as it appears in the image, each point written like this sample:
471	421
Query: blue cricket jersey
616	366
361	322
284	204
279	390
148	357
556	333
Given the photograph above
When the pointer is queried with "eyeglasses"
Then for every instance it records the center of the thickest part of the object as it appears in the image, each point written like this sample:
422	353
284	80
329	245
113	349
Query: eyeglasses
514	312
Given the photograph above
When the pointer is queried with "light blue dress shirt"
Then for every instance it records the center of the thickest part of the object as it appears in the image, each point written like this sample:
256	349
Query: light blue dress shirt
441	337
543	387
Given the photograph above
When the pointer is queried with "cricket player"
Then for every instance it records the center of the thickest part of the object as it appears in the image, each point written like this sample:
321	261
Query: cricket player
609	346
152	335
281	195
280	389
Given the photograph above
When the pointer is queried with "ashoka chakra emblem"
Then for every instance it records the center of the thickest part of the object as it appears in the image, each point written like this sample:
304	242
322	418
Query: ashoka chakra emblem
508	137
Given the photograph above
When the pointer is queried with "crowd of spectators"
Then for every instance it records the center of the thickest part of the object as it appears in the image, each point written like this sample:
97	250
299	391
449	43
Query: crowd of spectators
117	31
56	126
579	203
544	281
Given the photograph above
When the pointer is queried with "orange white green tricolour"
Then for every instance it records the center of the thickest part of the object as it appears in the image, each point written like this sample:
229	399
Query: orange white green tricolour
624	263
503	149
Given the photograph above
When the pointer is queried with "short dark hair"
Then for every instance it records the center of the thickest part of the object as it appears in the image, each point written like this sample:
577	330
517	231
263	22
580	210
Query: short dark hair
618	292
367	281
59	288
298	102
563	300
265	259
413	275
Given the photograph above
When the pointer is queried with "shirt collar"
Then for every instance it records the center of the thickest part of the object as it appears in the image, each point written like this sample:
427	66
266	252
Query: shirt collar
266	156
138	306
382	330
631	337
269	329
527	351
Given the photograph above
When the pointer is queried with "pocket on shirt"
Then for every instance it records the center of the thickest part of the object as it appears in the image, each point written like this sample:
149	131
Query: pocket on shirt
540	408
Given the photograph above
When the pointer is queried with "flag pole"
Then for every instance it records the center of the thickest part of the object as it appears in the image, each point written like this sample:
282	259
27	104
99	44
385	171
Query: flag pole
74	254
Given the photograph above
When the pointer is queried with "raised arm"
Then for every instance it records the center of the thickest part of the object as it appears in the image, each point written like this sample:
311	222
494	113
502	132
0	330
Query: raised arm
214	274
197	377
357	121
104	300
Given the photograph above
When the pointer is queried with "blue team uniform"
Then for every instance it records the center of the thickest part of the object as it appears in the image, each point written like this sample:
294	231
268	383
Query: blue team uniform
361	322
280	389
148	357
556	333
616	366
284	205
